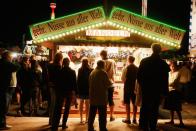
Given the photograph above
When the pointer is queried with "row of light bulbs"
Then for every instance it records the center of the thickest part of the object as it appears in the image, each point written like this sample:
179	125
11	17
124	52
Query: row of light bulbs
54	37
143	34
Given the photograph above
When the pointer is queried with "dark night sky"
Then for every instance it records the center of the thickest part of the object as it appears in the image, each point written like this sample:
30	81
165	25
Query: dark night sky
17	15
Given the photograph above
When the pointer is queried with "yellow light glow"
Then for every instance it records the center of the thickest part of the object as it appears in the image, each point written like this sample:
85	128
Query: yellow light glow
161	40
56	36
109	22
45	39
113	24
97	25
168	43
93	26
157	39
146	35
100	24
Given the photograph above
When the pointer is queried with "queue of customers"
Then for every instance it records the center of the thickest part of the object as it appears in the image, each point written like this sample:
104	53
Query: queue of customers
144	86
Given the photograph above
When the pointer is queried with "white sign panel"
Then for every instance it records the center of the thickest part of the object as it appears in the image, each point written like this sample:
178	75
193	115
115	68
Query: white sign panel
117	33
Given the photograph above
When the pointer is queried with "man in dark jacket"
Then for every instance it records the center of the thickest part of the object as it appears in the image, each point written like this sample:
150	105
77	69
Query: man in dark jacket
6	69
66	91
153	79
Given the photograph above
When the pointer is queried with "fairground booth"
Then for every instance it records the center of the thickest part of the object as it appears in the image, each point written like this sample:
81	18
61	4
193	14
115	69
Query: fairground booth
122	33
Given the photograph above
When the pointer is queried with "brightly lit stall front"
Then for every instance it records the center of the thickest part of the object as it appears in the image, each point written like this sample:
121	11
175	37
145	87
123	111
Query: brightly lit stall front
123	33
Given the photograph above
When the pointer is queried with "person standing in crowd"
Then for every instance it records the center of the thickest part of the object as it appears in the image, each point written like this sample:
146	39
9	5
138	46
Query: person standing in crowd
54	71
36	80
185	78
44	86
173	101
23	79
153	78
6	69
11	89
83	87
129	76
99	83
110	69
67	91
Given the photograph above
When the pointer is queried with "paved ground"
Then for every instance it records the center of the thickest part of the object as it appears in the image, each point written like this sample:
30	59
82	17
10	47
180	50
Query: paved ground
41	123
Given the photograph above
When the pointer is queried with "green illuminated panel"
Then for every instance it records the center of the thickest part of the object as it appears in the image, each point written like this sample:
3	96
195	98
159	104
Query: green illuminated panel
147	25
143	17
65	23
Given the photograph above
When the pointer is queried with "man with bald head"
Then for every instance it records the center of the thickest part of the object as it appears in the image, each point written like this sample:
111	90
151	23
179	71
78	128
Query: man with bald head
153	79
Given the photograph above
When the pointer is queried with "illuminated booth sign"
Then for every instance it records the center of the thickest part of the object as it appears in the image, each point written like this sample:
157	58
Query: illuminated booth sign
117	33
59	25
146	25
91	20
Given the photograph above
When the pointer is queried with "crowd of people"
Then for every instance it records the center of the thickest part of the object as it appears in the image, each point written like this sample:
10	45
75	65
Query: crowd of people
149	84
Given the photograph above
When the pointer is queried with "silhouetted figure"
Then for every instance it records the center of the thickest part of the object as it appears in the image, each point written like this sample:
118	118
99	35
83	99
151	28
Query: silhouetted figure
99	83
153	79
54	83
23	78
129	76
83	88
184	80
36	80
6	70
67	91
